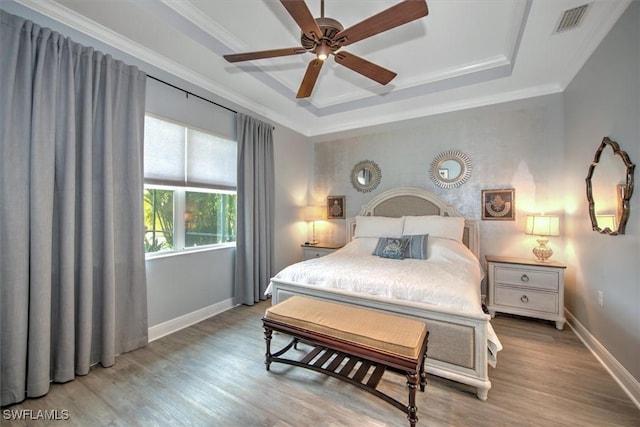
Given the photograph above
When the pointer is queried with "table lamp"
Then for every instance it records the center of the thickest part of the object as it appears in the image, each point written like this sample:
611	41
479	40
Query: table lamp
543	226
313	214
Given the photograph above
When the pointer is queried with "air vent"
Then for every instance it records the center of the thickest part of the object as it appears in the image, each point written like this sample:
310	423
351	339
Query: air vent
571	18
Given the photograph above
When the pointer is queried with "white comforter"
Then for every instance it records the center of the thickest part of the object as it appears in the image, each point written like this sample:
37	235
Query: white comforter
450	277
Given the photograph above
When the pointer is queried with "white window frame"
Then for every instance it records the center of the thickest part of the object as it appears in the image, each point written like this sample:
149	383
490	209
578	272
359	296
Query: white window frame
179	205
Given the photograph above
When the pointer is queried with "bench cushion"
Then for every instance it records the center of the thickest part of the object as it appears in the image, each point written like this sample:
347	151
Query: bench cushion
380	331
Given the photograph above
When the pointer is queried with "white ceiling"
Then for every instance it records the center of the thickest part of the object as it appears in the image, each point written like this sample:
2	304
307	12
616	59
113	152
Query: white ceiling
465	53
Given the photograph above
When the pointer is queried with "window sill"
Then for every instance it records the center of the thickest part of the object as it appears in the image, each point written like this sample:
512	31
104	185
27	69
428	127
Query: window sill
187	251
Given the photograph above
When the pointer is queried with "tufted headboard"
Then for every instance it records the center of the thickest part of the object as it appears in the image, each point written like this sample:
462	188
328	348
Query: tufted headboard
416	202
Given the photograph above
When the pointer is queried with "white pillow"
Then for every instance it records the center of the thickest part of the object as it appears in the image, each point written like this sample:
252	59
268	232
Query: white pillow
448	227
378	226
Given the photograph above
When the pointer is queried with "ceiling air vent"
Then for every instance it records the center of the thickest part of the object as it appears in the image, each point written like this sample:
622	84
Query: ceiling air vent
571	18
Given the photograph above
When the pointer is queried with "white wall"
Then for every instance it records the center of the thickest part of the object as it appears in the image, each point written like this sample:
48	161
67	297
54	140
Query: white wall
604	100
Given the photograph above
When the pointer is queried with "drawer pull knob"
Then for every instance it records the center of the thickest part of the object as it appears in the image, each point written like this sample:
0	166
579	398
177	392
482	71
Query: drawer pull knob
524	299
524	278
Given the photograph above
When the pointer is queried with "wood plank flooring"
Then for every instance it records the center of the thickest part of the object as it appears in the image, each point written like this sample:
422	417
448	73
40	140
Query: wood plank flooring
212	374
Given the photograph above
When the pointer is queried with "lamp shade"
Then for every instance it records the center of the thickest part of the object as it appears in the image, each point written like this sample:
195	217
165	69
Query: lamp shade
543	225
313	213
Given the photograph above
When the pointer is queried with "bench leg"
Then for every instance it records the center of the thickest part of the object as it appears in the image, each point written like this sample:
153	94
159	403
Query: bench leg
412	410
423	374
268	332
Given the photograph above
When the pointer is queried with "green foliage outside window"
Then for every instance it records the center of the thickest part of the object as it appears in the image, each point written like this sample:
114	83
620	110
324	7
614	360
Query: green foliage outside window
210	218
158	220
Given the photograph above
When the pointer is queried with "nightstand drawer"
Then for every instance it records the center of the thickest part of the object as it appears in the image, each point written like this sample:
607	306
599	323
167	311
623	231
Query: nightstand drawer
318	250
310	253
529	278
526	299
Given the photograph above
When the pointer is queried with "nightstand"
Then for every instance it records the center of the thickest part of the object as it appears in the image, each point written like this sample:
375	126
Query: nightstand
527	288
318	250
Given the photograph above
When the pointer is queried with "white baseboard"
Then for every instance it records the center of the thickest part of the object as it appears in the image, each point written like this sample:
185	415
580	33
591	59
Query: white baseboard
173	325
625	380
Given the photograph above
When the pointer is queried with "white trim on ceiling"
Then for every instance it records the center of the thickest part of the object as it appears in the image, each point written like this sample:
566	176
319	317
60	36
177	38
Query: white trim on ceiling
492	68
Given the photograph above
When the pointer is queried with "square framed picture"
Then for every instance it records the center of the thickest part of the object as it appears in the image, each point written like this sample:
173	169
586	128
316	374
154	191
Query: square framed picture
499	205
335	207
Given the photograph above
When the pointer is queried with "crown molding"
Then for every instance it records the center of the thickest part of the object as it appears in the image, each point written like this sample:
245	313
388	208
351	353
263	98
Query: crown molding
434	109
97	31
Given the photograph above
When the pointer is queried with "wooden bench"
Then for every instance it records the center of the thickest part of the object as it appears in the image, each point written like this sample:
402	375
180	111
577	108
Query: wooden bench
353	344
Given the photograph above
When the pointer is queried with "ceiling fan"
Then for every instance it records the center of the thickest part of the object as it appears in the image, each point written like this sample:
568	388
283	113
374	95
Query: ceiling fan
326	36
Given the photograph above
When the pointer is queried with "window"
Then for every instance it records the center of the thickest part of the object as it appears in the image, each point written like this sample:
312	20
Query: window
190	187
158	219
209	218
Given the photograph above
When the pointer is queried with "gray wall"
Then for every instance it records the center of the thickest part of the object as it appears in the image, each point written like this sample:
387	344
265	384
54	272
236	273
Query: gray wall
292	169
519	145
181	284
542	147
604	100
512	145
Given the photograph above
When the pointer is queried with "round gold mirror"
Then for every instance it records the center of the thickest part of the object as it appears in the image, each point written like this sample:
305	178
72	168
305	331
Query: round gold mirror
450	169
366	176
609	188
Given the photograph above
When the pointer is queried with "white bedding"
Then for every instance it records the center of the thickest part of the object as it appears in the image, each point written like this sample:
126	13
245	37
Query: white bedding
449	278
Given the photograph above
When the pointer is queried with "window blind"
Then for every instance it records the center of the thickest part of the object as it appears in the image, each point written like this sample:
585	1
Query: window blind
211	160
180	156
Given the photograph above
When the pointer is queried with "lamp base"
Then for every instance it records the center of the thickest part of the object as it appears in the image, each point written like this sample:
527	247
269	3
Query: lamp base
542	251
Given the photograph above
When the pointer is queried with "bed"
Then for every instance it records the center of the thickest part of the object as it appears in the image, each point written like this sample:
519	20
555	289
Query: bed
443	290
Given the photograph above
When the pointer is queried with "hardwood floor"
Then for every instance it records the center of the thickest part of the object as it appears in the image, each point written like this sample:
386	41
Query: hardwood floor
212	374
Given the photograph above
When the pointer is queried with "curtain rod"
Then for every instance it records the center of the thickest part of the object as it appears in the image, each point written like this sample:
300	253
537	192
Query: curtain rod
192	94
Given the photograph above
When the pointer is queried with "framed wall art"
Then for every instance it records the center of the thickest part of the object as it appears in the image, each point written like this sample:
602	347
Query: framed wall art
499	205
335	207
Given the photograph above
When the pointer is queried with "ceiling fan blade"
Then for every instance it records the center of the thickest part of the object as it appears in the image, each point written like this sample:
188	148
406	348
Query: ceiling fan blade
364	67
300	13
401	13
263	54
309	79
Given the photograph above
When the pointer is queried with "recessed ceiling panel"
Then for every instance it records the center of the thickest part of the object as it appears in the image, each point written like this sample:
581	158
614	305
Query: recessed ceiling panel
464	53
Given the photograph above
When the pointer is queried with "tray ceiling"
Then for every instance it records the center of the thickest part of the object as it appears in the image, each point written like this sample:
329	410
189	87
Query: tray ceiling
464	54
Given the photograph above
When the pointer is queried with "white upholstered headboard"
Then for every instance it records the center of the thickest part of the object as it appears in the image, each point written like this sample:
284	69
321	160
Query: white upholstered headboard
414	201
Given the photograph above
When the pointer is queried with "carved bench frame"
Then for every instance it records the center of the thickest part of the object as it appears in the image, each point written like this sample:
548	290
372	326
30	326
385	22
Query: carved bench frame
339	359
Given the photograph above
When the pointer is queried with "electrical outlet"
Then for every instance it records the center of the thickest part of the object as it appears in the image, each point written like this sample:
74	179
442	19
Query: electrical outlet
600	299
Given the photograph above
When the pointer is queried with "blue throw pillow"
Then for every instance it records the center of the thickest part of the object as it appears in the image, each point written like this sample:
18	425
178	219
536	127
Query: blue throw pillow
391	247
416	247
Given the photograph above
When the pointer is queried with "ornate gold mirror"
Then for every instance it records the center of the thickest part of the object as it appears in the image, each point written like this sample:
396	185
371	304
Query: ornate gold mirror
366	176
609	188
450	169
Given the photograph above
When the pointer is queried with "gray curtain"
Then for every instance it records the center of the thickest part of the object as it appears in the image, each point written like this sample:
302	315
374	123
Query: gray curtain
72	284
254	244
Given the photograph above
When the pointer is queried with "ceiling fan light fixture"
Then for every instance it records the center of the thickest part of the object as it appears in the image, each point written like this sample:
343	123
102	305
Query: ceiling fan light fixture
325	36
322	51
